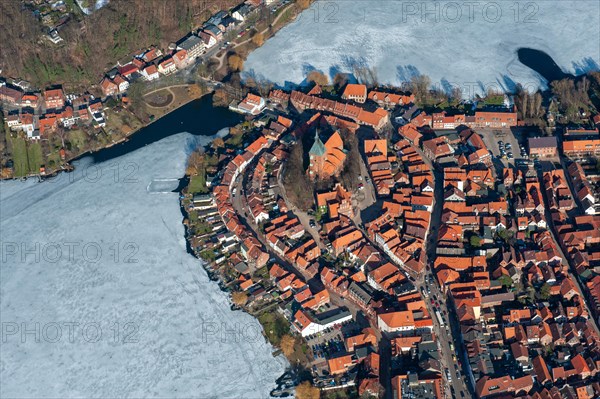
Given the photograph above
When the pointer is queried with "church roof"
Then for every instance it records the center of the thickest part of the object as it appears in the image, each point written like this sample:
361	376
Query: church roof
318	148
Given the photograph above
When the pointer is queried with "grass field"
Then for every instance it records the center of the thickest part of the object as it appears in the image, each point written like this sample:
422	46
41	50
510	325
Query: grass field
78	138
275	326
235	140
27	155
198	184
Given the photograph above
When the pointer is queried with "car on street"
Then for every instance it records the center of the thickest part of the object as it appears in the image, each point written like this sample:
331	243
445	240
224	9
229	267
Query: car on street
312	223
361	186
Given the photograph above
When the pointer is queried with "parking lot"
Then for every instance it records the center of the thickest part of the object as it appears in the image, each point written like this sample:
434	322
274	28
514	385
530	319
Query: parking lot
509	152
326	344
330	343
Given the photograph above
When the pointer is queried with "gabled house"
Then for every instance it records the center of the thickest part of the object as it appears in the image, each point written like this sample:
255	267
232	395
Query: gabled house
193	45
207	38
167	66
150	73
54	98
355	92
121	83
241	12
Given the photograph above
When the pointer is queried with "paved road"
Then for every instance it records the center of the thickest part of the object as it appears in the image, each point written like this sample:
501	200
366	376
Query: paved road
447	333
303	217
241	207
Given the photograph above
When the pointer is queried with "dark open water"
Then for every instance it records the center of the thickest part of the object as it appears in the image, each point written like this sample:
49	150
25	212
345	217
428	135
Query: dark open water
198	117
542	63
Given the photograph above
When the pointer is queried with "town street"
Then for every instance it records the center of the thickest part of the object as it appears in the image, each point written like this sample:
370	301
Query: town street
427	281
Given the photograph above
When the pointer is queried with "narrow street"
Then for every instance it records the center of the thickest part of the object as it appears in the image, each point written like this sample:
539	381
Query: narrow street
385	367
445	333
240	206
303	217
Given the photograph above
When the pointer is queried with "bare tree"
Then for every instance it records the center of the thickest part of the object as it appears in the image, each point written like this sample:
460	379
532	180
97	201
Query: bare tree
317	77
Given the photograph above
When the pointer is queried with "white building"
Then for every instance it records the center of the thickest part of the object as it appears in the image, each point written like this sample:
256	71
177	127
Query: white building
241	12
150	73
396	321
307	324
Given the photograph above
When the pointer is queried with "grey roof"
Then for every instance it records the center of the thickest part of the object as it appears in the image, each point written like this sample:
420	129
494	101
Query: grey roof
244	9
363	352
202	197
417	389
542	142
228	20
216	19
212	29
409	113
360	291
333	315
318	148
190	42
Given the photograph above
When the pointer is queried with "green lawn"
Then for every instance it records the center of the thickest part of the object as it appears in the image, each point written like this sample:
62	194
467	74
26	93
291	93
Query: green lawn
275	326
235	140
494	100
78	139
198	184
27	155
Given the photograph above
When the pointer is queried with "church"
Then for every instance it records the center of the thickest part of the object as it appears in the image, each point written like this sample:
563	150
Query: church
326	159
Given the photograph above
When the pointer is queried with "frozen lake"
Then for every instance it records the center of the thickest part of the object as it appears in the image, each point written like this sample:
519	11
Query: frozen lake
471	45
100	299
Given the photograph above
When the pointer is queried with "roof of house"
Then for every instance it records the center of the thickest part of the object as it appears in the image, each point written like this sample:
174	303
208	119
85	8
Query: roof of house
339	364
398	319
355	90
542	142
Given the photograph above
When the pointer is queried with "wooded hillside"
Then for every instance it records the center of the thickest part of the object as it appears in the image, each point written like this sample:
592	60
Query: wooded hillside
94	43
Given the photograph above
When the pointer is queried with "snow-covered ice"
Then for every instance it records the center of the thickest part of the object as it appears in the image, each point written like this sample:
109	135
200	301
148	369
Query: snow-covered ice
91	6
471	45
97	248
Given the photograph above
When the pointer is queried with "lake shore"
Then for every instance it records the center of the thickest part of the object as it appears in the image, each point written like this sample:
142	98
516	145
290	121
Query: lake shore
245	46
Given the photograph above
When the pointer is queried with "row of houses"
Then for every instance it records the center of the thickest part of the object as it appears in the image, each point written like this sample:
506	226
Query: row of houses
376	119
38	114
151	64
401	229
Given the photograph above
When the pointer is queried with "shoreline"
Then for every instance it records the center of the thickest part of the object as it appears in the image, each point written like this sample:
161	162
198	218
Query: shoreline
68	166
280	382
68	162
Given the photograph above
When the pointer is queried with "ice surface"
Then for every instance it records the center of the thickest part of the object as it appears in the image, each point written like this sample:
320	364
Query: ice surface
471	45
182	339
92	5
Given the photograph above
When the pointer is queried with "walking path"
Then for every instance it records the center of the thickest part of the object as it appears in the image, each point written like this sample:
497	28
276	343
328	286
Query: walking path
221	58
